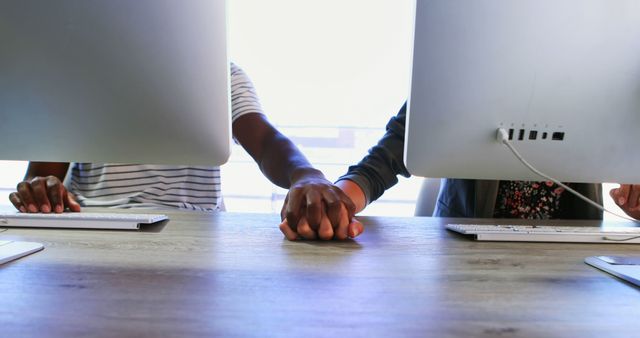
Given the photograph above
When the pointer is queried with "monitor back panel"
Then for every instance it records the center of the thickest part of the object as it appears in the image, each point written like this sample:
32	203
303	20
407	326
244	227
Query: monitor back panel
143	81
564	74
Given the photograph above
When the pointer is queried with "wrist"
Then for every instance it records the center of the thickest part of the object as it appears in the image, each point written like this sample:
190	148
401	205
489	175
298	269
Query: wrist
355	193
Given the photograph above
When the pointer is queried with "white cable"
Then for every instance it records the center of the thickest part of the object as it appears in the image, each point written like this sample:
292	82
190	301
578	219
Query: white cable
503	138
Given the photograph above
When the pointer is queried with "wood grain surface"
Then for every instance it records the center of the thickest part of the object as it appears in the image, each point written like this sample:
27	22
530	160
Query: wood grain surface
234	275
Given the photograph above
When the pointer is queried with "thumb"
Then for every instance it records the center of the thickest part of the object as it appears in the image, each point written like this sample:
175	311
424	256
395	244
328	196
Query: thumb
70	201
355	228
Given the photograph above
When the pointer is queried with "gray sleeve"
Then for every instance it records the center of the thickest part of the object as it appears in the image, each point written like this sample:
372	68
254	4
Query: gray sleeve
378	171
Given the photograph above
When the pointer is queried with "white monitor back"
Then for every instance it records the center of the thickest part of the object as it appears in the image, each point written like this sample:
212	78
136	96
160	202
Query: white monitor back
144	81
549	66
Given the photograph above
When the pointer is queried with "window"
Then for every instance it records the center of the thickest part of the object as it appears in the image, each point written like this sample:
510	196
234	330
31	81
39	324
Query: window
330	74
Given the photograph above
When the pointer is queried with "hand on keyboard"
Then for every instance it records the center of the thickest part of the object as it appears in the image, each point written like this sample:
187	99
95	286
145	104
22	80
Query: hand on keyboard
627	197
43	194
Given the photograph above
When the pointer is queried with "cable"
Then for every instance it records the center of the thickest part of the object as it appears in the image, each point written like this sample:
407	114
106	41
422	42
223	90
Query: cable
620	240
503	138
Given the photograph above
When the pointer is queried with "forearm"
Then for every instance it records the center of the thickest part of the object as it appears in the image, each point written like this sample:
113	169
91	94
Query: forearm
277	157
284	164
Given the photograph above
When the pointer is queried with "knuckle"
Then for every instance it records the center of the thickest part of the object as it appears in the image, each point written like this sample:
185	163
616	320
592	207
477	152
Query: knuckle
54	183
37	180
38	189
22	186
334	204
13	197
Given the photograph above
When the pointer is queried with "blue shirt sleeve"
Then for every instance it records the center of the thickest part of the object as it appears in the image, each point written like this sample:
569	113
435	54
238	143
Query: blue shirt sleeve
378	171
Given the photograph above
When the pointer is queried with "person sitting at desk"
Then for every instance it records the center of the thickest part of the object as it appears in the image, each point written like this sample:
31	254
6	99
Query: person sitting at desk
183	187
377	172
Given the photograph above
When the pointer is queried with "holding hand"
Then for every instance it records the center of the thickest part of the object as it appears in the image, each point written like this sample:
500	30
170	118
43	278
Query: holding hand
345	229
43	194
320	203
317	209
627	197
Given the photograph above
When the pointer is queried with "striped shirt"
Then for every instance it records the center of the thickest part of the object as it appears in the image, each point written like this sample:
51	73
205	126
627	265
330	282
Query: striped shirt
158	186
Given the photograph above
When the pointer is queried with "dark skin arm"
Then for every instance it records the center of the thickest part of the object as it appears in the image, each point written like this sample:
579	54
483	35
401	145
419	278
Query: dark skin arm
284	165
278	158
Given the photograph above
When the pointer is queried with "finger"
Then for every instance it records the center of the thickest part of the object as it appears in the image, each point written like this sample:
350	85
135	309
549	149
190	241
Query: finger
304	230
634	194
71	202
40	196
614	194
314	208
623	194
295	208
325	231
348	203
342	231
55	192
283	211
286	230
355	228
26	196
15	200
332	201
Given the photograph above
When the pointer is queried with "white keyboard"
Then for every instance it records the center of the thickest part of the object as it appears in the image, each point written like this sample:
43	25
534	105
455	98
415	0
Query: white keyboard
549	233
79	220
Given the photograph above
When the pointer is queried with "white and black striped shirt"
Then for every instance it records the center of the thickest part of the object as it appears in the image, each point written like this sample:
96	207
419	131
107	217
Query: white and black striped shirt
156	186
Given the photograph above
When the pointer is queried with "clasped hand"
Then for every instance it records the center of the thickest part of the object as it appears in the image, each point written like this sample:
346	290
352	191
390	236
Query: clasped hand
316	209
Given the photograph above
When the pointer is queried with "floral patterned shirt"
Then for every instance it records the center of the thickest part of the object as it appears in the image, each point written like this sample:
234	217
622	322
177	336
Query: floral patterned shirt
527	200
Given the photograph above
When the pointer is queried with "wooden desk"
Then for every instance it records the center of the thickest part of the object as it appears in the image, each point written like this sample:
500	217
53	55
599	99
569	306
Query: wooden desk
232	275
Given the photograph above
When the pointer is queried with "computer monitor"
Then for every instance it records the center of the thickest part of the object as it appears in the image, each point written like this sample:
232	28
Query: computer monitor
563	76
144	81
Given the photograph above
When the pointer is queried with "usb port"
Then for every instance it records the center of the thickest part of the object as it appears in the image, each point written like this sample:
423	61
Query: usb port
557	136
510	134
533	134
521	135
